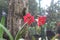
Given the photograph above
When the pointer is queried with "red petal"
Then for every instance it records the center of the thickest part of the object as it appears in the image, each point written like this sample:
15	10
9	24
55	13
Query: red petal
28	18
41	20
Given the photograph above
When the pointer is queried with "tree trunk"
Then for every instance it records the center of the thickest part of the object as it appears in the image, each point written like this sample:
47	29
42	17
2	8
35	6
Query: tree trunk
14	14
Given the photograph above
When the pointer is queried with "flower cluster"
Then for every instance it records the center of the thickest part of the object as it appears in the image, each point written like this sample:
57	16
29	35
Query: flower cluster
30	19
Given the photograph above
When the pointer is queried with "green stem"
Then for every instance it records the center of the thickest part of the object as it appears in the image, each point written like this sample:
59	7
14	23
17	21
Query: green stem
42	33
16	38
8	33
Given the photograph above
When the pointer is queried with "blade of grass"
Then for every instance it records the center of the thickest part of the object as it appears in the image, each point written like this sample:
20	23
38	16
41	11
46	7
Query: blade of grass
54	37
3	23
8	33
20	32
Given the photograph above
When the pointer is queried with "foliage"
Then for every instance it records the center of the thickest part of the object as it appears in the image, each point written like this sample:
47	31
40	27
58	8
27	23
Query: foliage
21	32
3	23
55	37
3	6
32	6
8	33
33	38
2	29
53	14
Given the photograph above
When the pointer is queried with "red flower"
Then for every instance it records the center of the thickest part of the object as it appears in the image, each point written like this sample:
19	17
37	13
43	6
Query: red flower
41	20
58	23
28	18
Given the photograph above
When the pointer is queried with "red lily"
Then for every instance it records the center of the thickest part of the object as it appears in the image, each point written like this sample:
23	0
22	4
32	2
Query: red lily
28	18
41	20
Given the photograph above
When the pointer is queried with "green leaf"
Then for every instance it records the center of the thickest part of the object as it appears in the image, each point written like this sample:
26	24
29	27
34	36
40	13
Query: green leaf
1	30
8	33
21	32
33	38
54	37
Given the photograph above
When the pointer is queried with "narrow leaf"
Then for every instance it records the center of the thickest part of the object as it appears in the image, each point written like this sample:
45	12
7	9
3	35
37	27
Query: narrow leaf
20	32
8	33
1	30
